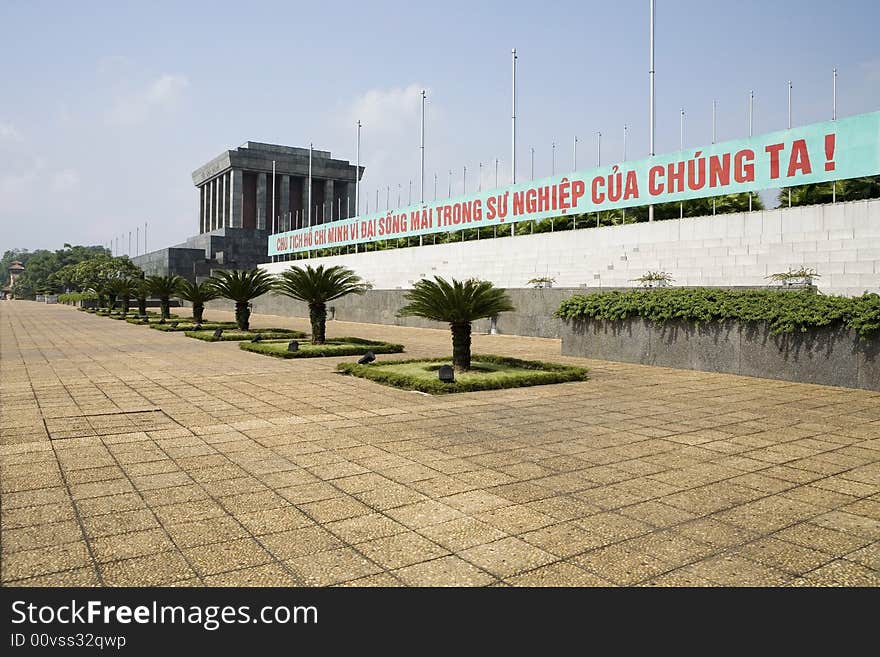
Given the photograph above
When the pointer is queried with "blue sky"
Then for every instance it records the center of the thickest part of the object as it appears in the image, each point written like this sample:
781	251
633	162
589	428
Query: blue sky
109	106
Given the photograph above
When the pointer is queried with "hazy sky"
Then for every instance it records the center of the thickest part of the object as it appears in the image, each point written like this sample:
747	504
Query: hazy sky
108	107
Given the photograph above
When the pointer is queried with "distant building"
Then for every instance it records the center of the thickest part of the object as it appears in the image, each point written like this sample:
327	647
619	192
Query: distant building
236	210
15	270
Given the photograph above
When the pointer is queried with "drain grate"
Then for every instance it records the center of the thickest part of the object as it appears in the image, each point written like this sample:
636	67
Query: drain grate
108	424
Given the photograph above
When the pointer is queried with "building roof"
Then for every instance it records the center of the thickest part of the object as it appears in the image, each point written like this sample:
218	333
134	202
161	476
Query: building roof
15	265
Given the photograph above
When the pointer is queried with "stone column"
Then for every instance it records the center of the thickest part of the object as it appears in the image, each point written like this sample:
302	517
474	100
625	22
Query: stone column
328	211
216	203
209	209
221	202
236	194
201	209
261	202
349	201
284	210
303	220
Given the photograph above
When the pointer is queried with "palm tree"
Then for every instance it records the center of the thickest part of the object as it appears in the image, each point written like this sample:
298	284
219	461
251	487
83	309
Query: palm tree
197	294
142	291
124	289
241	287
459	304
316	287
164	287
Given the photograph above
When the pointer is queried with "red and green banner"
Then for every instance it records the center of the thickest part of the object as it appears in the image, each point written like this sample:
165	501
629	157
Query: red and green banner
835	150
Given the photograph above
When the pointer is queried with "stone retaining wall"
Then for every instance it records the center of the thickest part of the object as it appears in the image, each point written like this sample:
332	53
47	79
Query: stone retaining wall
828	356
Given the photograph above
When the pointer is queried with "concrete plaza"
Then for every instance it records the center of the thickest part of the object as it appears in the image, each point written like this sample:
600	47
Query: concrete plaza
134	457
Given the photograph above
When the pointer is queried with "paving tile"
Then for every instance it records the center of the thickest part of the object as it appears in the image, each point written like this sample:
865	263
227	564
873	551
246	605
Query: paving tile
299	542
507	556
558	574
445	571
221	557
401	550
159	569
44	560
332	567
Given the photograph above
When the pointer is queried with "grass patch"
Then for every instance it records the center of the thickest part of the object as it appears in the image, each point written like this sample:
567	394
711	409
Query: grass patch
234	335
153	318
488	373
334	347
187	325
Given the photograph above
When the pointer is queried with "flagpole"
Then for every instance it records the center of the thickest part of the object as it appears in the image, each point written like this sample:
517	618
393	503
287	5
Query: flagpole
574	158
310	185
751	128
422	147
789	127
714	111
513	132
651	94
357	173
513	122
681	148
834	118
624	160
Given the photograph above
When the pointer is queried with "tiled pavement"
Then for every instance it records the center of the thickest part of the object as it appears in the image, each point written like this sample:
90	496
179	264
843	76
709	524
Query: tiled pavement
133	457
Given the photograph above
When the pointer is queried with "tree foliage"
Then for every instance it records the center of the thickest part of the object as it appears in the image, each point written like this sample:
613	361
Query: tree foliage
316	286
458	303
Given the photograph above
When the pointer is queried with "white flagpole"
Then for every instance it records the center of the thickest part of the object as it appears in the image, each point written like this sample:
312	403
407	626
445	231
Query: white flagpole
789	127
422	147
624	160
834	118
357	173
651	94
553	158
681	148
464	180
513	123
532	149
480	179
751	128
574	158
598	149
274	227
714	112
310	185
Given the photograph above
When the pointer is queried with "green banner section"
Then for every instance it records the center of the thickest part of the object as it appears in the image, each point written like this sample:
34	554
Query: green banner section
835	150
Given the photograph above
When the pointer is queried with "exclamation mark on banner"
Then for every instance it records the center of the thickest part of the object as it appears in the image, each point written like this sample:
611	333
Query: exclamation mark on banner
829	152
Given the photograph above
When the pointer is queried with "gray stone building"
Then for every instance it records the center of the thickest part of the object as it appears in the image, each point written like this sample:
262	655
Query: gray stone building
250	192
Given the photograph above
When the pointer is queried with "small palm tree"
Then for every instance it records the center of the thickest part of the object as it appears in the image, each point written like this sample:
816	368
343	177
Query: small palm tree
197	294
142	291
459	304
241	287
124	289
317	286
164	287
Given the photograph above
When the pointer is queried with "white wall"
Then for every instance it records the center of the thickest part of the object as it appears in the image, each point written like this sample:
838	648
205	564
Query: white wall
840	241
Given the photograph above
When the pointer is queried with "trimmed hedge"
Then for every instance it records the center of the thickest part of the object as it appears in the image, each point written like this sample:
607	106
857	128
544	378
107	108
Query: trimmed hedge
541	373
234	335
334	347
783	311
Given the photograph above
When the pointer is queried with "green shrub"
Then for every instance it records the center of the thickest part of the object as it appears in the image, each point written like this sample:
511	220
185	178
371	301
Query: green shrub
76	297
333	347
783	311
506	373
